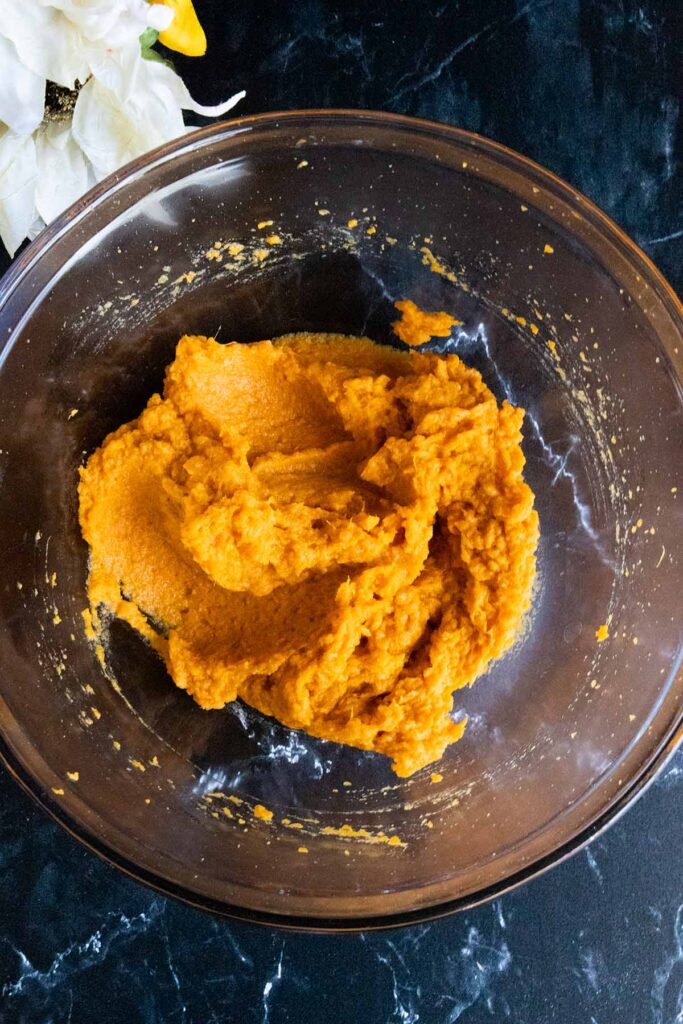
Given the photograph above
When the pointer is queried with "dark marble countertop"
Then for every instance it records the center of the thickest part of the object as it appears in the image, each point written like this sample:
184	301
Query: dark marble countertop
591	89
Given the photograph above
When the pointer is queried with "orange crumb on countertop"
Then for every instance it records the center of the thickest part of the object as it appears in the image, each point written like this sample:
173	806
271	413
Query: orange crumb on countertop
416	327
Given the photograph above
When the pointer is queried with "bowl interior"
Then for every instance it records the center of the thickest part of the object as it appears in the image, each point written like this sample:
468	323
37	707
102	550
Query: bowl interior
560	315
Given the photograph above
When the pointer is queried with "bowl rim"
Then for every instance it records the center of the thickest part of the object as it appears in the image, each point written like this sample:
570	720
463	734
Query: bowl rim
659	756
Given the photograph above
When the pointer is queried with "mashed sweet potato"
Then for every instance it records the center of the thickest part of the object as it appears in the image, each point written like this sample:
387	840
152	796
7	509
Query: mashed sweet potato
334	531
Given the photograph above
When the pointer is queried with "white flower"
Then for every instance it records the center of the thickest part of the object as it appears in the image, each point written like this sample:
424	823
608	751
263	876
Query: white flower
18	178
125	106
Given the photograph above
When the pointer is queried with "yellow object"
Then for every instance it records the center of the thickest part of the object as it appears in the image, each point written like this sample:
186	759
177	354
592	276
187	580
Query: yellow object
184	34
416	327
336	532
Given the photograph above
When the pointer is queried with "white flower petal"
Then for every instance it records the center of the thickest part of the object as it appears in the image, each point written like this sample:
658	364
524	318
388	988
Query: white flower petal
117	69
116	22
164	82
101	128
17	188
35	228
159	16
22	92
64	173
92	17
110	134
46	42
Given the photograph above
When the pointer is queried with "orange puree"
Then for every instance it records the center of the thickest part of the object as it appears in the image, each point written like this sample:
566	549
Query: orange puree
416	326
336	532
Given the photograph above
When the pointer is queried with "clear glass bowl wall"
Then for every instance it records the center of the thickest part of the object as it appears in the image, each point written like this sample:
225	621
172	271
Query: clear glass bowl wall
564	730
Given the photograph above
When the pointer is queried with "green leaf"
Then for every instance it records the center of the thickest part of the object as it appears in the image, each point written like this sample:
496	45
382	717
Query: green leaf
153	55
148	39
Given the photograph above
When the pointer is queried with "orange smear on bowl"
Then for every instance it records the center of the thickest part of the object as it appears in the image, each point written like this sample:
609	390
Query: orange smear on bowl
416	326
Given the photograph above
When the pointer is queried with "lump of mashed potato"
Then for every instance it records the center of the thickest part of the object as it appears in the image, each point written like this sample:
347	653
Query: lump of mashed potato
336	532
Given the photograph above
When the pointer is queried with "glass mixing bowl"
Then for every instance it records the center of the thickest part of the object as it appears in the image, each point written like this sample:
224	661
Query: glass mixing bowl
561	313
